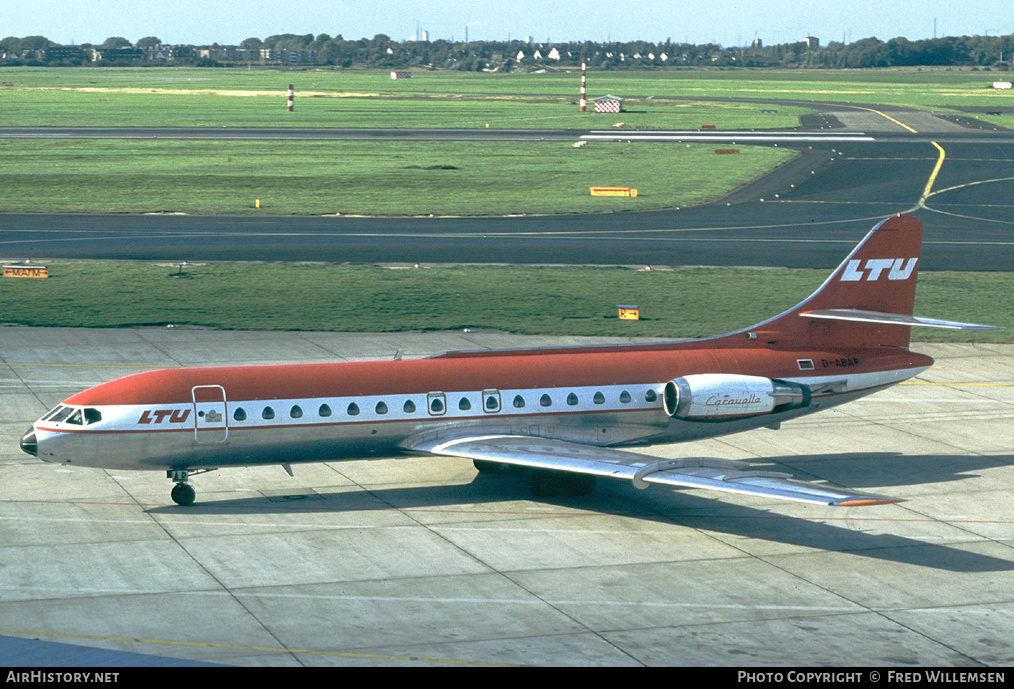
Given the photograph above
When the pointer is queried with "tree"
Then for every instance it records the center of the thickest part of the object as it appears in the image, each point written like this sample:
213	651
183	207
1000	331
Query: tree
114	42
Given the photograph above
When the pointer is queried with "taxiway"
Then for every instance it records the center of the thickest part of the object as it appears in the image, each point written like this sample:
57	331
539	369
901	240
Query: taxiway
857	165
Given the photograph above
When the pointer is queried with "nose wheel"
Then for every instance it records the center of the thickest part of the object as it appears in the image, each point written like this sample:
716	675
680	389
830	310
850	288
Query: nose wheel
183	493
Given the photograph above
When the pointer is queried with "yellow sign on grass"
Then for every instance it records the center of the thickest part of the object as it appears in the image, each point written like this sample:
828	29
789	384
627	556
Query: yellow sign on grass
613	191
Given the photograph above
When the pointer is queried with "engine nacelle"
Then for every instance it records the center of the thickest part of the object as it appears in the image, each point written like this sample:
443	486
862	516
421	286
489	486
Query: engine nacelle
715	396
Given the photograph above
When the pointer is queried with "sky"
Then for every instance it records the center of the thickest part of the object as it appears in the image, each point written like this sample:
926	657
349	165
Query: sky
727	22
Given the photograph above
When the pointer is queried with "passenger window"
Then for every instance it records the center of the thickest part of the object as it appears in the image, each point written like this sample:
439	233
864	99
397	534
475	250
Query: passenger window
519	402
492	403
546	401
436	406
324	411
381	408
353	409
650	396
296	412
409	407
239	414
464	404
572	399
624	397
599	398
268	413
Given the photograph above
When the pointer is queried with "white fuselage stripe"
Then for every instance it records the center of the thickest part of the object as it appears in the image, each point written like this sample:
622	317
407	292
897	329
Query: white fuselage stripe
563	401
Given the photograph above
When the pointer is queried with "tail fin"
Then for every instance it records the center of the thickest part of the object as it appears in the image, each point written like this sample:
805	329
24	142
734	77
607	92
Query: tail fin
869	298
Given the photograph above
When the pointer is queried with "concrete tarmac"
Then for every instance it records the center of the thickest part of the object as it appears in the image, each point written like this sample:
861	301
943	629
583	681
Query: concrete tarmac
419	561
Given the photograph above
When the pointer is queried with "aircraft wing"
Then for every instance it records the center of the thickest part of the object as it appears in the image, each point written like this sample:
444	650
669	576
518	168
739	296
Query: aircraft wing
731	476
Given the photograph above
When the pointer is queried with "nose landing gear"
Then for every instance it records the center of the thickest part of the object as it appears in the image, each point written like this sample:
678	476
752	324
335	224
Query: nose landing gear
183	493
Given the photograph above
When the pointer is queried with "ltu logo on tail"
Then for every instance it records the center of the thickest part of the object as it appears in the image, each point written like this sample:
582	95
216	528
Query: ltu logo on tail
898	269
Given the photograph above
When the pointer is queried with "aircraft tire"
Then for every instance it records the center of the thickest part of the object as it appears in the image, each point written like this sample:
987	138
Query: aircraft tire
183	494
487	467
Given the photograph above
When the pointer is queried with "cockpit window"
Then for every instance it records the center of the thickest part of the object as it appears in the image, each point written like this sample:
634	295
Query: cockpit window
53	412
61	414
76	416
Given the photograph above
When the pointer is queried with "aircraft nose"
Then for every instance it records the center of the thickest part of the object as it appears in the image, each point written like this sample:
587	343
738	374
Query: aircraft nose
29	443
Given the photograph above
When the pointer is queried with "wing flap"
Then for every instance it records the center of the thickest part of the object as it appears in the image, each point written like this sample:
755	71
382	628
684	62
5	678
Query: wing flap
709	473
537	453
766	484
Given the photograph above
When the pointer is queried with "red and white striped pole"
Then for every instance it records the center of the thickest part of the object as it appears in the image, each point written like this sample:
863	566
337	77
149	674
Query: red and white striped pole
292	98
584	103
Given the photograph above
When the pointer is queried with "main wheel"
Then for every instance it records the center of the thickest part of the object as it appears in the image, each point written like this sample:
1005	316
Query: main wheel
486	467
183	494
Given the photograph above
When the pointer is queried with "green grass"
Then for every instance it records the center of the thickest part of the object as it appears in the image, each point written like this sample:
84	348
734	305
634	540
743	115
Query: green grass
157	108
559	301
385	178
356	177
358	98
440	178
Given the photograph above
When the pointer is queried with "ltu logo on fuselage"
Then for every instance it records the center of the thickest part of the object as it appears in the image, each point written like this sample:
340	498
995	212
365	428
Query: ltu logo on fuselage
898	269
160	415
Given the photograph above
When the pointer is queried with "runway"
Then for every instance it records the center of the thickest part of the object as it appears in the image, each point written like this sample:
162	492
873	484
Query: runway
857	166
419	561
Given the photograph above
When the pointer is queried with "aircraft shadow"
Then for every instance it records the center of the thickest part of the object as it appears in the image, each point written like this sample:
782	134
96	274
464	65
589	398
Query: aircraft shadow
858	470
692	509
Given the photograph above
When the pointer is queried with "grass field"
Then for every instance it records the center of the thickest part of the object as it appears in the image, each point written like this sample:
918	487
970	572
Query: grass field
354	177
422	178
210	97
550	300
379	178
395	178
217	97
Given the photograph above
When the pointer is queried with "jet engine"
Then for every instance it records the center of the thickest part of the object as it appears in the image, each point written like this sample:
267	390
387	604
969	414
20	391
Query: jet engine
713	396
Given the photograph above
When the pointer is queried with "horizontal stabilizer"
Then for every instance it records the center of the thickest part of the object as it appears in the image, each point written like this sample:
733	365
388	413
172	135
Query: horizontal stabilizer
860	316
731	476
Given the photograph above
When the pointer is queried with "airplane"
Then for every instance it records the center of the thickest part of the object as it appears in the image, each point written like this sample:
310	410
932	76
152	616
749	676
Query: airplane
563	414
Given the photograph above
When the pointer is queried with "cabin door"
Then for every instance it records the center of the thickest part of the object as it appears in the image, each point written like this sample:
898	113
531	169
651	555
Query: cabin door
211	416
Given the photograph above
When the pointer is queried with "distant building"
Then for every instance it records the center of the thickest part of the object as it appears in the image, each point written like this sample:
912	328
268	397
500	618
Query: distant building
112	54
812	42
58	53
287	57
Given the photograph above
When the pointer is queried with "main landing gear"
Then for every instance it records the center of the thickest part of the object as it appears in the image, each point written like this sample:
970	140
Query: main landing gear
183	493
544	483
